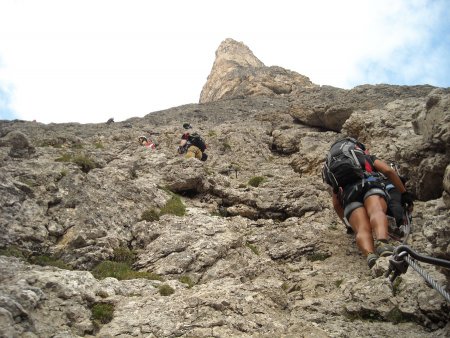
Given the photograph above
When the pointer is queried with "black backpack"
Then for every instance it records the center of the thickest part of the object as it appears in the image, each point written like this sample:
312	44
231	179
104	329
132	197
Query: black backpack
196	140
346	163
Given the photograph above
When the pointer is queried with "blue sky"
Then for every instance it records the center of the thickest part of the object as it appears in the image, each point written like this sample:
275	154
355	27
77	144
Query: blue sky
86	61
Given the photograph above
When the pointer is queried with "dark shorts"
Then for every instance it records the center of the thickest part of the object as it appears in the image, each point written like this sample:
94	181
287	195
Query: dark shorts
395	207
355	195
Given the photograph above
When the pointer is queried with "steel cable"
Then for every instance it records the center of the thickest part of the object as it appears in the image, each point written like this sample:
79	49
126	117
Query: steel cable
427	277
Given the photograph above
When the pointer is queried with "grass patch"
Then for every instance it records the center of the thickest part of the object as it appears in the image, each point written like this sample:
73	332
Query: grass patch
28	182
121	271
102	313
12	251
42	260
174	206
165	290
46	260
212	133
317	256
253	248
84	162
187	280
256	181
150	215
64	158
99	145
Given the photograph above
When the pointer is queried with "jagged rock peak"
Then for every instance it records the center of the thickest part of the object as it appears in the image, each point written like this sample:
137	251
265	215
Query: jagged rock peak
237	52
238	73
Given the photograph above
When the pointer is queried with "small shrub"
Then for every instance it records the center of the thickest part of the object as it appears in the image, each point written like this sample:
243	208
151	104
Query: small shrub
121	271
174	206
256	181
396	285
133	172
235	166
46	260
77	146
208	171
226	146
165	290
187	280
124	255
150	215
84	162
364	314
102	312
338	282
253	248
212	133
333	226
396	316
99	145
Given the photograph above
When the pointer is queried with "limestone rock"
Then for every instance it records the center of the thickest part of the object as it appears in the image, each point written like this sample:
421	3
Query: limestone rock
329	107
237	73
433	121
20	145
446	185
264	259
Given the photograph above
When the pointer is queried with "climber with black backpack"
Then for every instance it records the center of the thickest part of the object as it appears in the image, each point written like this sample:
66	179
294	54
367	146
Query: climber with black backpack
359	194
192	144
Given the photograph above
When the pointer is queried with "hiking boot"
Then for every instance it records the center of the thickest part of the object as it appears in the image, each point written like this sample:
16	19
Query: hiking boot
371	259
384	249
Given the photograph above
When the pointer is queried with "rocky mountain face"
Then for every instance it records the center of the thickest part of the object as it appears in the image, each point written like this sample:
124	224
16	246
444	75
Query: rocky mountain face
245	244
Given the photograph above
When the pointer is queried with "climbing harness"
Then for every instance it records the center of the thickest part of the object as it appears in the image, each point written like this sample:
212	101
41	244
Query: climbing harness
400	261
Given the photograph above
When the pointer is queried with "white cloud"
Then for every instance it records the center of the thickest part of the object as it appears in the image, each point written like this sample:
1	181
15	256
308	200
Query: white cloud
87	61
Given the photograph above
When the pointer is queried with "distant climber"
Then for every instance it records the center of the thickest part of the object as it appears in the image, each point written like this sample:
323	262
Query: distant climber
359	195
192	145
146	142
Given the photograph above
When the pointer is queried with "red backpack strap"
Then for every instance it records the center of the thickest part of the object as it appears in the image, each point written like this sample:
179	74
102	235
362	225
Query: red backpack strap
367	166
